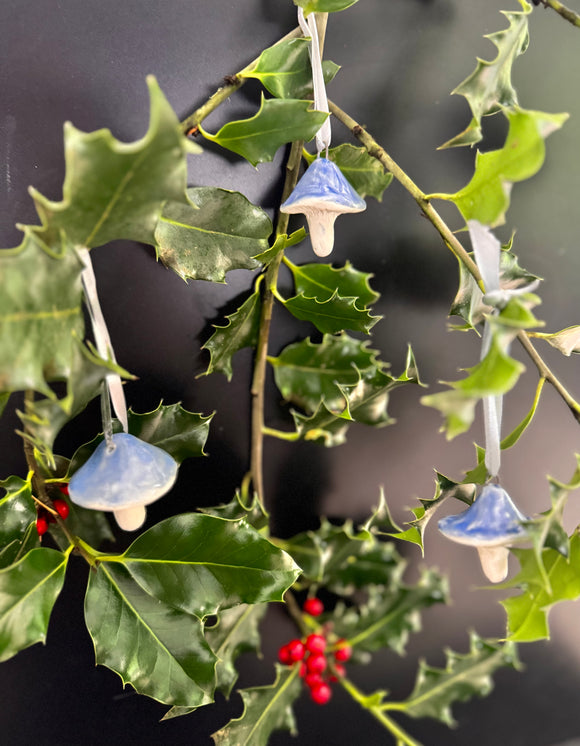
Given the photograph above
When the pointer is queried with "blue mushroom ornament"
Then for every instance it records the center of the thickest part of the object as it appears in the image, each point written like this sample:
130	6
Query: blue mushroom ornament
492	523
123	475
322	194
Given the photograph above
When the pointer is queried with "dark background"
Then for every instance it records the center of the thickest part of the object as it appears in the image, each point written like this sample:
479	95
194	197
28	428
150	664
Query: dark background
86	62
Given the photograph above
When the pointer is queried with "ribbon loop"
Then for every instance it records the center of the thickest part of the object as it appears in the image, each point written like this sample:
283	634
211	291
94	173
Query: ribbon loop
309	28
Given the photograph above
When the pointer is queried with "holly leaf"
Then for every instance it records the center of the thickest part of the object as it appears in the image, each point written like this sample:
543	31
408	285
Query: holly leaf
489	87
333	315
17	521
116	190
324	6
282	242
217	231
240	507
567	340
241	331
277	122
157	648
28	591
487	196
308	373
465	676
200	564
285	70
323	281
386	620
365	173
4	401
266	709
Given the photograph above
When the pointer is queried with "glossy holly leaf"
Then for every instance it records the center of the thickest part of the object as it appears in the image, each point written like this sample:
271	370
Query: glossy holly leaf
567	340
489	87
241	331
41	318
216	232
266	709
285	70
465	676
333	315
200	564
386	620
282	242
527	612
308	373
487	196
242	506
17	521
365	173
157	648
324	6
28	591
323	281
277	122
116	190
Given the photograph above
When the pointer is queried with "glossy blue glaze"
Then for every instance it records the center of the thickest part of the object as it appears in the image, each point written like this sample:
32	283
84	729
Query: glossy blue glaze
323	186
492	519
133	473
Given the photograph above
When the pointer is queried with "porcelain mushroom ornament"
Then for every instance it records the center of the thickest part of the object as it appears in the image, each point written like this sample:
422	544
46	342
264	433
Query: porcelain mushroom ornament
491	524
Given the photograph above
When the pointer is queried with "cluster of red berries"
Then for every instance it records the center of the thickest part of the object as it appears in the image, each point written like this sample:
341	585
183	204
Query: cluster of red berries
311	653
44	517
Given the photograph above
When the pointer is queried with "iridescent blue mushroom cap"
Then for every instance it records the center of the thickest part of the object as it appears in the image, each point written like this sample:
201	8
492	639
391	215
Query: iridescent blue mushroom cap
321	195
491	524
123	477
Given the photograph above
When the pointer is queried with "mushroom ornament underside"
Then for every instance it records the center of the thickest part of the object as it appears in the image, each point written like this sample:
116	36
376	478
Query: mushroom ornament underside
491	524
322	194
123	476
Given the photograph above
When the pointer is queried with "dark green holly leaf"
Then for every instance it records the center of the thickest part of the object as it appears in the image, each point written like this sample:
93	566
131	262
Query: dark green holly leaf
241	331
323	281
242	506
17	518
333	315
28	591
487	196
200	564
365	173
285	69
278	122
115	190
489	87
216	232
528	611
157	648
266	709
324	6
308	373
567	340
282	242
386	620
465	676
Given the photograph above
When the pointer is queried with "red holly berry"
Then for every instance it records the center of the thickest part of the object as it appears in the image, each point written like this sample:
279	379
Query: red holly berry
303	670
313	679
63	487
343	652
316	663
340	672
313	606
41	525
61	507
316	644
296	650
284	655
321	693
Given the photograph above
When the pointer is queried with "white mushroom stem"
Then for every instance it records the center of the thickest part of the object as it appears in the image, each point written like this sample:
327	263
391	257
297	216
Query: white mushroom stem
321	228
130	519
494	562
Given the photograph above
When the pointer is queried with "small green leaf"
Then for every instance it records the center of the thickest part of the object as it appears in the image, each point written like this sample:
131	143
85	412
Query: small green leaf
308	373
28	592
567	340
489	87
365	173
324	6
240	507
266	709
285	70
157	648
115	190
333	315
282	242
465	676
200	564
17	518
277	122
216	232
322	281
3	402
511	439
241	331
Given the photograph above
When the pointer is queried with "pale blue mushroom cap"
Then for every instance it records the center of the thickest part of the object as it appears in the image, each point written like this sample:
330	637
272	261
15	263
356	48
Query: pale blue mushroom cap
321	195
123	478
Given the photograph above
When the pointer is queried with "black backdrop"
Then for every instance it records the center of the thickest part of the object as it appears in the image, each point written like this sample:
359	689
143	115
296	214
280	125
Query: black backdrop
87	62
